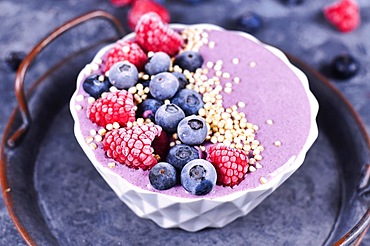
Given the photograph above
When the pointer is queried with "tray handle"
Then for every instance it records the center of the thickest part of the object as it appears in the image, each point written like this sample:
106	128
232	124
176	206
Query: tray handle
363	187
19	80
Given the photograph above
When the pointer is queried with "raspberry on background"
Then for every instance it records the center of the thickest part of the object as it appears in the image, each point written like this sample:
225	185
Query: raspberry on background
344	15
121	3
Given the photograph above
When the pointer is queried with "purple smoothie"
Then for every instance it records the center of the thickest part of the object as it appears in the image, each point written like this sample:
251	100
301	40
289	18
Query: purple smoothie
270	91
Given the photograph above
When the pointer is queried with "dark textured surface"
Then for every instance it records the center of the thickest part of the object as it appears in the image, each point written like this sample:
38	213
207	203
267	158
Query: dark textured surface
300	31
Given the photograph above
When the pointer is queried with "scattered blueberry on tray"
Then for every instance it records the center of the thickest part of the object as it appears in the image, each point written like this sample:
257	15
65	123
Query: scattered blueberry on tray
249	22
345	66
292	2
14	59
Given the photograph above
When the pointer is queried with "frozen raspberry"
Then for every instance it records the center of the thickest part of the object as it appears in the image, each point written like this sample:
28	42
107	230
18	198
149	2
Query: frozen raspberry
121	3
126	51
112	107
135	146
141	7
152	34
344	15
231	164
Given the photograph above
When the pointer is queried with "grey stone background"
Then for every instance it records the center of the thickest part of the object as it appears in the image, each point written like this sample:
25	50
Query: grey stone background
299	30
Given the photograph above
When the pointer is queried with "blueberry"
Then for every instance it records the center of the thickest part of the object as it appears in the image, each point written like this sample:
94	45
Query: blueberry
163	86
182	80
162	176
192	130
123	75
158	63
148	108
168	117
181	154
250	22
345	66
192	1
96	84
198	177
14	59
189	60
189	101
292	2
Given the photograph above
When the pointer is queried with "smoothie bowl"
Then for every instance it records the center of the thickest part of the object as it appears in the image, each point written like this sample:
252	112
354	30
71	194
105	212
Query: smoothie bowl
193	126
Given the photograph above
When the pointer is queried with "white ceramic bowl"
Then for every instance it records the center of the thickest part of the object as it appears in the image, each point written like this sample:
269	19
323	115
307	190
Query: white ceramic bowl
193	214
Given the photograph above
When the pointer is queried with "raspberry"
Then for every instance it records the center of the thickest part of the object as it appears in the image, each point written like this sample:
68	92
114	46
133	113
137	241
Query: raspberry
134	146
152	34
141	7
121	3
231	164
344	15
112	107
129	51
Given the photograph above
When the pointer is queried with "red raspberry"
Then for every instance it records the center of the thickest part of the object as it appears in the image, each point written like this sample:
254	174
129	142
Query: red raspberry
344	15
121	3
123	50
231	164
141	7
112	107
152	34
134	146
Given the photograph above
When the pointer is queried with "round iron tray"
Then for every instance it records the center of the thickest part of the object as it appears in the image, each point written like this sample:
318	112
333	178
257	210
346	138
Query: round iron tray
55	196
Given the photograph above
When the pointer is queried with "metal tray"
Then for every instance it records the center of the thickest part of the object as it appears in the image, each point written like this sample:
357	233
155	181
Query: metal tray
55	196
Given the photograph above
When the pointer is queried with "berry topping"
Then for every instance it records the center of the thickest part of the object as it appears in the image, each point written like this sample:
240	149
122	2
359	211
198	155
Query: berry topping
192	130
344	15
231	164
96	84
181	154
198	177
163	176
189	60
168	117
158	63
112	107
152	34
148	108
163	86
345	66
189	101
141	7
128	51
14	59
250	22
182	80
123	75
133	146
